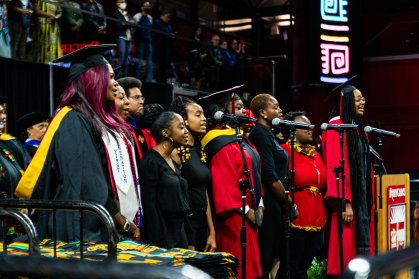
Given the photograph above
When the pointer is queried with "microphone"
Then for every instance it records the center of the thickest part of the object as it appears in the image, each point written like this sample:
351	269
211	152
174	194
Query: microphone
339	127
297	125
369	129
220	116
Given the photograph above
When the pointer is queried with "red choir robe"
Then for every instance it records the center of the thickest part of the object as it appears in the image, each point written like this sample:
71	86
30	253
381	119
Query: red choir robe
331	156
308	195
226	167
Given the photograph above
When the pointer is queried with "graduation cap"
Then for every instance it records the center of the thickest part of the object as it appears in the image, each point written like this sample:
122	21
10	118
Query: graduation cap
342	89
220	98
31	119
117	70
85	59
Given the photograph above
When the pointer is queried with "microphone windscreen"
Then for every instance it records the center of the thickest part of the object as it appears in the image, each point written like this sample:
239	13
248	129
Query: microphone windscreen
367	129
275	122
324	127
218	115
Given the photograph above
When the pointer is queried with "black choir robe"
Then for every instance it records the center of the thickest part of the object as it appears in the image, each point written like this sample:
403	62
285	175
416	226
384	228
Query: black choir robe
70	164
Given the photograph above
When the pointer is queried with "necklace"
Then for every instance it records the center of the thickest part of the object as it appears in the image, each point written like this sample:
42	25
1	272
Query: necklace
308	150
184	153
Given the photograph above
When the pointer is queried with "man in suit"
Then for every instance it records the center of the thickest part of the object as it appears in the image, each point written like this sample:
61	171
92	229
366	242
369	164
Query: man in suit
162	45
123	36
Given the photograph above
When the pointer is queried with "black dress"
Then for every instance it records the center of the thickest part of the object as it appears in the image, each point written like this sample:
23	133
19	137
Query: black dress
164	194
275	162
198	177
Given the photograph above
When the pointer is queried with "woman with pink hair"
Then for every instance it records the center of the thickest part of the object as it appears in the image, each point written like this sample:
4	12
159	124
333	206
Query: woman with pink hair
86	154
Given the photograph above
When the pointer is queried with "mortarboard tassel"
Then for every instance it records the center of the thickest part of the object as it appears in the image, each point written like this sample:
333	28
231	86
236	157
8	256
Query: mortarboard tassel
340	105
233	107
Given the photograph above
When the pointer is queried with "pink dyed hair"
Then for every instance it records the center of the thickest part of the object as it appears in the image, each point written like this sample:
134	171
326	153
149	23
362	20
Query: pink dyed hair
87	95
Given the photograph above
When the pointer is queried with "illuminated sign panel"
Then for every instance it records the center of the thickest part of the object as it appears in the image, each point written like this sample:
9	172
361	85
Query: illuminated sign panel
333	10
333	40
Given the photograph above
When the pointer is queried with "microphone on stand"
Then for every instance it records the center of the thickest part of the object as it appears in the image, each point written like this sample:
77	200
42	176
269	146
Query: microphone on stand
297	125
220	116
339	127
369	129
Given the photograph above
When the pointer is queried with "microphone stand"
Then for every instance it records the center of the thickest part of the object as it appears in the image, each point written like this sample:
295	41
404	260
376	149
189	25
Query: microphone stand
381	168
375	217
380	197
341	200
243	186
289	212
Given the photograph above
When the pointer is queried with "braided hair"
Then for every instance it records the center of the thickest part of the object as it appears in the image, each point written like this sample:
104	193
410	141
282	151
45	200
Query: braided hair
348	116
179	106
290	116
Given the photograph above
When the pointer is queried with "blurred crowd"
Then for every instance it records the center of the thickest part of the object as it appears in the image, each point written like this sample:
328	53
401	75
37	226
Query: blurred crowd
36	31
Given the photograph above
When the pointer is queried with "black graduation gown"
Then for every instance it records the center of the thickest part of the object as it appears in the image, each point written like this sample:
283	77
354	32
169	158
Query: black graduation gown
13	166
70	164
31	149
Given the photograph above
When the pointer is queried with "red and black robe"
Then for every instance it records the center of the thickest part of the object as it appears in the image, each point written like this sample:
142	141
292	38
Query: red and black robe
226	167
331	156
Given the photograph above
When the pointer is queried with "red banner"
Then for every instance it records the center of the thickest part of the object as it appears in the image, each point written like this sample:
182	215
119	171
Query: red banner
396	218
69	48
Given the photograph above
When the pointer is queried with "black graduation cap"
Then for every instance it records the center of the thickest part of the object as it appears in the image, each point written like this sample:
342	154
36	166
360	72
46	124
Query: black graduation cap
218	99
116	71
342	88
85	59
31	119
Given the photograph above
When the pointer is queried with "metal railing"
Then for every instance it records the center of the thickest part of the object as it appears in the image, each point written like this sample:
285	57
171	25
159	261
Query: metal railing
27	225
80	206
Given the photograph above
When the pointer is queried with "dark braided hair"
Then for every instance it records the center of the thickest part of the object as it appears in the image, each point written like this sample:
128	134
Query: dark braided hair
354	157
290	116
179	106
150	113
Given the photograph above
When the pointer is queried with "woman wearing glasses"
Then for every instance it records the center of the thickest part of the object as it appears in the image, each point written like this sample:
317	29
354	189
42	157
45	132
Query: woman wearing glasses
358	218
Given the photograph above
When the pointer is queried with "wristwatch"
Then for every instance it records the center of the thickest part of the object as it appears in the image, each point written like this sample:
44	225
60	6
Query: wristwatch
127	225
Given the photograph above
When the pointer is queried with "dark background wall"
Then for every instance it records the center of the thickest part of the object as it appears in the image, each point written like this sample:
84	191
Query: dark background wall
391	87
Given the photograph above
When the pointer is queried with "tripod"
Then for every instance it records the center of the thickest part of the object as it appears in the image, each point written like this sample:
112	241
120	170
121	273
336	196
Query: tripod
243	186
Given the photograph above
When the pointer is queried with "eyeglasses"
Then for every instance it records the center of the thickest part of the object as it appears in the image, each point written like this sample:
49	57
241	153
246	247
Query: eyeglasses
138	98
360	100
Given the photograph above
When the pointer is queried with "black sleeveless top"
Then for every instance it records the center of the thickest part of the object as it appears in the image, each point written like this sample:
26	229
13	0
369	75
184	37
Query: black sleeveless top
198	176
